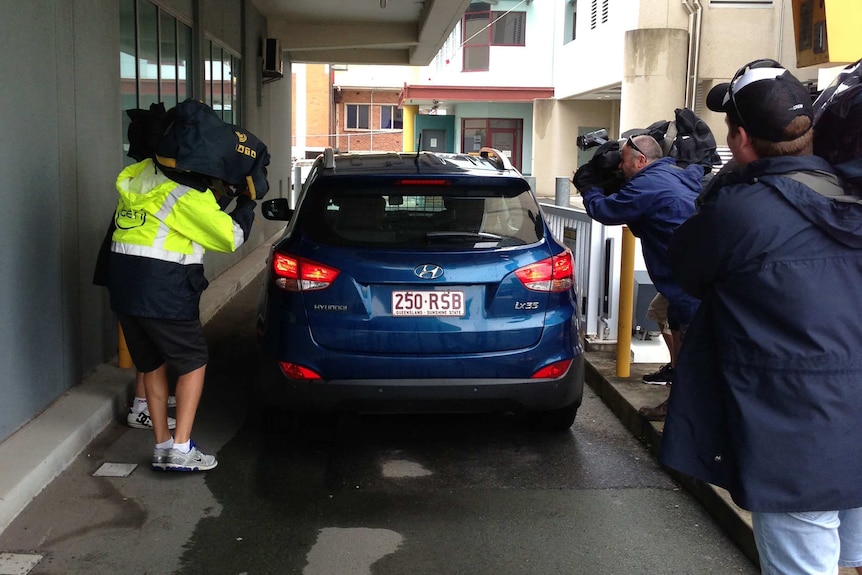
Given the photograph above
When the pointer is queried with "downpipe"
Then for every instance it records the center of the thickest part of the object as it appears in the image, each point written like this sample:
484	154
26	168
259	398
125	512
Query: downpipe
695	24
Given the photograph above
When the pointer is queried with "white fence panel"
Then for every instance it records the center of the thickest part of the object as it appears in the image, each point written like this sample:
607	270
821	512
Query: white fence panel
595	268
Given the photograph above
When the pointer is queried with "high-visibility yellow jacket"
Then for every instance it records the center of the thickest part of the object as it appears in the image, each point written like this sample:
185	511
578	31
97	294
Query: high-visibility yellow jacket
162	231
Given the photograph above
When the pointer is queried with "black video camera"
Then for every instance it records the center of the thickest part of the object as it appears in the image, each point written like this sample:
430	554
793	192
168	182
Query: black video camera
603	168
592	139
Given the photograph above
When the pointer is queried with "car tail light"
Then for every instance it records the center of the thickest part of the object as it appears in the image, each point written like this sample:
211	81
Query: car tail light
295	371
299	274
554	370
554	274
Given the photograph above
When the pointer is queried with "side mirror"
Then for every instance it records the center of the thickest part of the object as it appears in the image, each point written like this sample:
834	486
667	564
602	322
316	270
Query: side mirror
276	209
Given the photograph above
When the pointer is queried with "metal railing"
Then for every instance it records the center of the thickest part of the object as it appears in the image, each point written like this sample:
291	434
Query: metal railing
595	272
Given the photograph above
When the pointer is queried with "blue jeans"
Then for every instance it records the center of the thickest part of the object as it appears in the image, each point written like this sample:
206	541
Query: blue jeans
809	543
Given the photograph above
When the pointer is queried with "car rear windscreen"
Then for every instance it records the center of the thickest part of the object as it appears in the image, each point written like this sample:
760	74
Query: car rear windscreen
424	217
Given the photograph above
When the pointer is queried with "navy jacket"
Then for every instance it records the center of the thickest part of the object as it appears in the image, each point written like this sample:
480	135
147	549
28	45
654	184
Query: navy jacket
767	394
653	204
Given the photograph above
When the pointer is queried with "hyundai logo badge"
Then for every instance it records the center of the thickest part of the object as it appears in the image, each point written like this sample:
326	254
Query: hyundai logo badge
428	271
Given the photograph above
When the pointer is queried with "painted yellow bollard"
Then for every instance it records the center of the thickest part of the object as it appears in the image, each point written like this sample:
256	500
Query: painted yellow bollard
124	359
624	323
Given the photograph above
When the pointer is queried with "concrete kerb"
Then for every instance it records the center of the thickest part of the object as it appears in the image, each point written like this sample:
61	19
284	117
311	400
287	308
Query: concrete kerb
624	396
48	443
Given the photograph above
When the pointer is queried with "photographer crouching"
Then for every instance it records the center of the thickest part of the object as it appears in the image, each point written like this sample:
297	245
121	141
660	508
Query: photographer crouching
652	196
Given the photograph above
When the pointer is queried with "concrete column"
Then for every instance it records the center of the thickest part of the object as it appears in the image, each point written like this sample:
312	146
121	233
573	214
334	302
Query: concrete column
296	185
301	94
654	72
279	143
408	130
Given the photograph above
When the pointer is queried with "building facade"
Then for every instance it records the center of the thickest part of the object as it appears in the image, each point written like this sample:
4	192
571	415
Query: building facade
71	68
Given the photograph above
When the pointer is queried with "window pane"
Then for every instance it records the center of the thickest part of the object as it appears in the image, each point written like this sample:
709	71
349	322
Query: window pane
504	123
184	61
390	118
216	79
208	73
574	29
477	58
357	116
168	61
474	28
474	139
148	55
509	29
224	83
128	69
234	90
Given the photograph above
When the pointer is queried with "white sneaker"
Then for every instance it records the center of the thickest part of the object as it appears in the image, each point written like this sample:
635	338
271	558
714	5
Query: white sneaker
175	460
172	401
142	420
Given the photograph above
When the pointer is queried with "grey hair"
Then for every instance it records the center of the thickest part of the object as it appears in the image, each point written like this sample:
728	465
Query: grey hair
648	145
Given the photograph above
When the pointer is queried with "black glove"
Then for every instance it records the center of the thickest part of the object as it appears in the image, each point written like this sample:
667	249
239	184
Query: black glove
602	171
585	178
243	214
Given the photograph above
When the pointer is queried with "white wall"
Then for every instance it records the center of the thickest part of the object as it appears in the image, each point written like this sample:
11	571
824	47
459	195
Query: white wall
357	76
594	60
61	157
510	66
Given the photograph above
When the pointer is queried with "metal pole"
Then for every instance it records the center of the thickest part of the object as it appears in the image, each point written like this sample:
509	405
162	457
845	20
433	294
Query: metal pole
562	192
624	320
124	359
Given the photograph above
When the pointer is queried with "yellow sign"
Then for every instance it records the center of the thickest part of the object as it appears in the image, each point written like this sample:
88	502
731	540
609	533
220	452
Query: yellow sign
827	31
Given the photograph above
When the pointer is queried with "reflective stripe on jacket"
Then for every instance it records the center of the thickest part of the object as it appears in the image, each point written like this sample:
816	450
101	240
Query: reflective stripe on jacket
159	218
162	231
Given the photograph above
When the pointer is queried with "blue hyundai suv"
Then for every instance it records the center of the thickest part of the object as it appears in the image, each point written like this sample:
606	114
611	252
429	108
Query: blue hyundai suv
421	282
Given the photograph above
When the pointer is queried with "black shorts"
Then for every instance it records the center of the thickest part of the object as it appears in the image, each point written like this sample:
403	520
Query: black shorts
153	342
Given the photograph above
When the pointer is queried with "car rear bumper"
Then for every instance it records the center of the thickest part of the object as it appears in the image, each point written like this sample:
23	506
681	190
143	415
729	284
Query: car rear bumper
420	395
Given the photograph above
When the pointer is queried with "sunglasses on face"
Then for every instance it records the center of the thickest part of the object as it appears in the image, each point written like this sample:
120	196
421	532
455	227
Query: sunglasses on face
731	93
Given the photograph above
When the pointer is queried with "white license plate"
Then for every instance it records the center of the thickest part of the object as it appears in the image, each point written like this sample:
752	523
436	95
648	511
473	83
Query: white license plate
427	303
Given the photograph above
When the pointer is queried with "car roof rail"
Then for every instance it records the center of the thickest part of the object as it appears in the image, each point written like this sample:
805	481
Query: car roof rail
498	157
328	158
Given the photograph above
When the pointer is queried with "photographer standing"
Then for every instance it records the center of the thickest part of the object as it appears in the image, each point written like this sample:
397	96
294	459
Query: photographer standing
655	199
769	383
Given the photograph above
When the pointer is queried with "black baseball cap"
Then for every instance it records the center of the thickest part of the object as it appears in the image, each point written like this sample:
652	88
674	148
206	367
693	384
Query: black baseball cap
763	97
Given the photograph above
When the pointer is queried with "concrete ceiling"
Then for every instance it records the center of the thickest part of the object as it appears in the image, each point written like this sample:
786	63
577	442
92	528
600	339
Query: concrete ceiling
400	32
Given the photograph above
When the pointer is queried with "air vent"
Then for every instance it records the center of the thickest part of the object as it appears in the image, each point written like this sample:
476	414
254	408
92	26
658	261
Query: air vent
272	59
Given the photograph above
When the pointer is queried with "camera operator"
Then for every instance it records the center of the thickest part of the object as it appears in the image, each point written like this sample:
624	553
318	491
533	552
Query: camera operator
169	212
656	196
